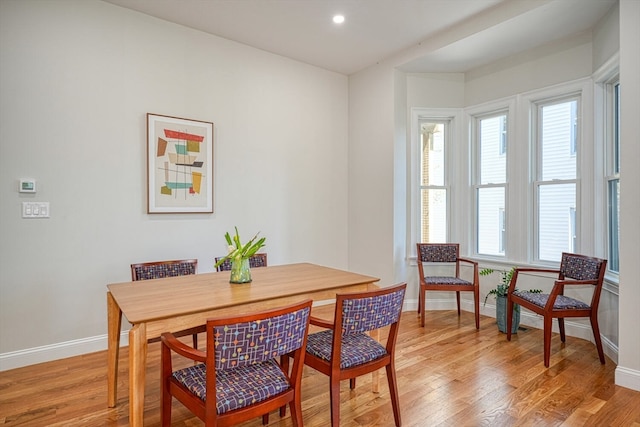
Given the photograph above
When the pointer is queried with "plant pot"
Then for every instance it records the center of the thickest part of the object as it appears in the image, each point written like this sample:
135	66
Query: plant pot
501	315
240	271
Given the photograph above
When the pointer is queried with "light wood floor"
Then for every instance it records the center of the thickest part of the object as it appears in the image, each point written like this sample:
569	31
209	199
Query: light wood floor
448	375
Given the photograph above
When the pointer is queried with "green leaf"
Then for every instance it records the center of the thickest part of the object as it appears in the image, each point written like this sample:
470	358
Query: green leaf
241	251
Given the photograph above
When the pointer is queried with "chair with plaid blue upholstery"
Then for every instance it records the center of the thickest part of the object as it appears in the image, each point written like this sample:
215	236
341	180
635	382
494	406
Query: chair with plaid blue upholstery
443	256
345	351
162	269
255	261
575	271
239	376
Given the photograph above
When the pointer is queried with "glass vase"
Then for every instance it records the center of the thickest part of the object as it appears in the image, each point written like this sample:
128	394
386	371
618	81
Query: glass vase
240	271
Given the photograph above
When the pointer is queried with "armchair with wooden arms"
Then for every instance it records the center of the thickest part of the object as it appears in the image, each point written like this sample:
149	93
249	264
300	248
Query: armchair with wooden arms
345	351
575	270
238	377
446	254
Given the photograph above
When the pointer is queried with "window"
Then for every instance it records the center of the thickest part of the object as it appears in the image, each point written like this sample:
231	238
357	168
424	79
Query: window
557	143
434	151
433	192
612	142
490	141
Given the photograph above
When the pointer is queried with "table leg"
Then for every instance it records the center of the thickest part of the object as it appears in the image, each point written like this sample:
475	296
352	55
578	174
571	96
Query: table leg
114	323
137	367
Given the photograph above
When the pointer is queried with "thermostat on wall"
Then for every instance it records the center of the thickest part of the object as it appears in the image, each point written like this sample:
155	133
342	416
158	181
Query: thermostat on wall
27	186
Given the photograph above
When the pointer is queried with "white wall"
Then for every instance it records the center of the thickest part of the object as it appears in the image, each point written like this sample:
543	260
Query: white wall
606	37
567	60
77	79
628	370
371	175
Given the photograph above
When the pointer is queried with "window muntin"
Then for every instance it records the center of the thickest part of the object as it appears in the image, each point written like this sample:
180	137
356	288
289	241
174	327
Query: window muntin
557	145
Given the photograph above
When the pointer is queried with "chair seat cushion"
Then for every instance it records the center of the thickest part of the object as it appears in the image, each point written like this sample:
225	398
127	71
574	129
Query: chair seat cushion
562	302
356	349
444	280
238	387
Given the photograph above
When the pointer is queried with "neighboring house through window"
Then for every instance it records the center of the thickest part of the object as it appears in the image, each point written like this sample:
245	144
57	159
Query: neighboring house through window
555	186
490	139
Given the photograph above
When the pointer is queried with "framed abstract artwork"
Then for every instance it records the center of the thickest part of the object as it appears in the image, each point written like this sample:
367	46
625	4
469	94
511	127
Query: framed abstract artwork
179	165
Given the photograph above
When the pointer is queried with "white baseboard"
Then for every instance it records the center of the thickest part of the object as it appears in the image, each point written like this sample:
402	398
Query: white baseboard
628	378
48	353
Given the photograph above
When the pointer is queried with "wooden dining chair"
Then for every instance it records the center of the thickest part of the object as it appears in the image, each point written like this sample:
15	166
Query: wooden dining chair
345	351
575	271
162	269
239	376
256	260
446	255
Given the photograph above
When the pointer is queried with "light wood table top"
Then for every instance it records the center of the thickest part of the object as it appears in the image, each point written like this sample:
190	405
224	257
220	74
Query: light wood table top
149	300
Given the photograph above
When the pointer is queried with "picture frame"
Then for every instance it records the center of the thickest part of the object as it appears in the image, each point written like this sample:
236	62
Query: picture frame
179	165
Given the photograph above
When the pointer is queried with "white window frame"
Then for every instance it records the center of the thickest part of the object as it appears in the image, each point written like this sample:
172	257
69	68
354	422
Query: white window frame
507	107
587	194
605	78
452	174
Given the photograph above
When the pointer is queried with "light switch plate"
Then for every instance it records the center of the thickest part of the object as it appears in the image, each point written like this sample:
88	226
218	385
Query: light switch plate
35	209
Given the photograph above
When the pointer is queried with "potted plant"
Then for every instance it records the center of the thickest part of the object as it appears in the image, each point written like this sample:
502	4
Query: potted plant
500	293
239	255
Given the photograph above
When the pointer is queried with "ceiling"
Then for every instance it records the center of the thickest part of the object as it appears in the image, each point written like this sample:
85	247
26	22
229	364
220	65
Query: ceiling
421	35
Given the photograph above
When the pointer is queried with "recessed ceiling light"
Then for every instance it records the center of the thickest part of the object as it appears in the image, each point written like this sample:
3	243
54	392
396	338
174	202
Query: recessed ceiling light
338	19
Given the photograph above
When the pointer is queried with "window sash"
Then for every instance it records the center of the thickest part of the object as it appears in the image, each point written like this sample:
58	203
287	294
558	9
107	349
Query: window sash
557	145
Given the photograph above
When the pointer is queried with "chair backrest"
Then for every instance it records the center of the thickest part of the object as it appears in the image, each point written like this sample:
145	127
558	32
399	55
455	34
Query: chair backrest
365	311
255	261
439	253
255	338
582	267
160	269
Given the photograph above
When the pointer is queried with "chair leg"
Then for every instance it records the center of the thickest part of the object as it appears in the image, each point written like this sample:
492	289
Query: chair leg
476	302
563	337
265	419
596	336
195	341
352	383
547	340
296	409
421	302
284	363
393	391
458	301
509	317
166	398
334	394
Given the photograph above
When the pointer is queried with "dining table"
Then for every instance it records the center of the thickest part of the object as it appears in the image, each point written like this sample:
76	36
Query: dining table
173	304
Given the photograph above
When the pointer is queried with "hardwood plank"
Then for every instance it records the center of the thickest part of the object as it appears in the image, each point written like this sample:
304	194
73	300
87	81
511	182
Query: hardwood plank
448	374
